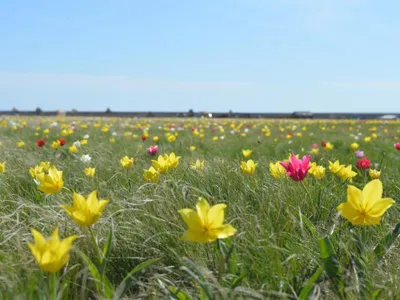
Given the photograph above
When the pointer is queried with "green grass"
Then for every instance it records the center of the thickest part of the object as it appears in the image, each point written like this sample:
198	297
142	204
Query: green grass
279	222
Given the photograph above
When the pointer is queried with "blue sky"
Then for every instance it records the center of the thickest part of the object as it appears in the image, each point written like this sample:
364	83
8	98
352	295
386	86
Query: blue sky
220	55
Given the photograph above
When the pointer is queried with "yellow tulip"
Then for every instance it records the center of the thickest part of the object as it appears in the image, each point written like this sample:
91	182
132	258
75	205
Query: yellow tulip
86	212
346	173
317	171
73	149
328	146
247	153
2	167
374	174
84	142
89	172
365	207
127	162
198	165
205	224
151	175
354	146
248	167
36	171
335	167
192	148
161	164
172	160
51	254
277	170
20	144
50	183
171	138
56	144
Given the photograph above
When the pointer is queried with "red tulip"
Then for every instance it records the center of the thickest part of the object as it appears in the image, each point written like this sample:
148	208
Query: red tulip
297	168
363	163
152	150
40	143
397	146
62	141
323	144
144	138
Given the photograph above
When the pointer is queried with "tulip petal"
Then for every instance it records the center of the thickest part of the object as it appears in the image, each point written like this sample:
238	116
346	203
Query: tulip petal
215	216
349	212
79	202
191	218
354	196
92	201
39	239
202	209
379	208
224	231
372	193
195	236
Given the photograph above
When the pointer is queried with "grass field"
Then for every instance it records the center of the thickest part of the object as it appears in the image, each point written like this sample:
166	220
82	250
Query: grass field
290	241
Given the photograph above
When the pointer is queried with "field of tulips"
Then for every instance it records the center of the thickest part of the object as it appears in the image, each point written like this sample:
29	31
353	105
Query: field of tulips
199	209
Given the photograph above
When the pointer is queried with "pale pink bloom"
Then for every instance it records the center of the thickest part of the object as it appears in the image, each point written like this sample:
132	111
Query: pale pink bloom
297	168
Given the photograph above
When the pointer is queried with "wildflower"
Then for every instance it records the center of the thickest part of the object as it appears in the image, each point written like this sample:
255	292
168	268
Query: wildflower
374	174
86	158
161	164
86	136
40	143
73	148
35	171
359	154
2	167
365	207
20	144
172	160
89	172
198	165
248	167
328	146
50	183
62	141
127	162
363	163
354	146
151	175
55	144
86	212
152	150
51	254
314	146
297	168
155	138
192	148
205	224
317	171
346	173
247	153
77	144
277	170
397	146
112	140
367	139
335	167
171	138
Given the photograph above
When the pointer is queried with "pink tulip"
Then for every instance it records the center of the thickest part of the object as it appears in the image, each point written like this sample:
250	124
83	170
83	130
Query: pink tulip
152	150
297	168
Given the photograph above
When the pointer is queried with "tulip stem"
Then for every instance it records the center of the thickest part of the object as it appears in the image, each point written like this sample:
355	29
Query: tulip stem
96	245
53	286
307	192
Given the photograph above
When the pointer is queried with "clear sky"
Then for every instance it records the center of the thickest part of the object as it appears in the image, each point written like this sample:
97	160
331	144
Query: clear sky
214	55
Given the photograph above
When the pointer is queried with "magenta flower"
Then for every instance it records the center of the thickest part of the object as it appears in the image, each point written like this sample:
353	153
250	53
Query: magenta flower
152	150
297	168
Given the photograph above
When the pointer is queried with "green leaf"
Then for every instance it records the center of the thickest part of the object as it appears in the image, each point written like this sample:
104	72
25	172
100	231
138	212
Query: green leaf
306	290
106	251
103	285
179	294
382	248
126	283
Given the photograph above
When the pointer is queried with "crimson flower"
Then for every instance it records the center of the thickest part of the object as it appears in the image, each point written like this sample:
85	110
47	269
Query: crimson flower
144	138
397	146
363	163
40	143
323	144
62	141
152	150
297	168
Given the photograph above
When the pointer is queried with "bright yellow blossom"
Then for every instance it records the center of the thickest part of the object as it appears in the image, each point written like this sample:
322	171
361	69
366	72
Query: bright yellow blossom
317	171
354	146
151	175
247	152
346	173
20	144
89	172
127	162
248	167
2	167
55	144
86	212
328	146
171	138
277	170
374	174
161	164
335	167
365	207
205	224
172	160
73	149
51	254
192	148
50	183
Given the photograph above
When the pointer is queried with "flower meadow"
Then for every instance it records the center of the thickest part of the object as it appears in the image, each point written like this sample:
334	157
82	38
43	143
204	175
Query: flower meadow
199	208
